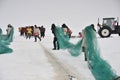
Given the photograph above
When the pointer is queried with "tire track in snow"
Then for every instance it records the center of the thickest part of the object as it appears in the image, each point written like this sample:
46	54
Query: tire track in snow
64	72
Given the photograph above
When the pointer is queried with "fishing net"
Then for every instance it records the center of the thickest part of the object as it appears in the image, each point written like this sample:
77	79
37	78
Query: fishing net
76	50
4	41
64	43
5	49
62	39
99	67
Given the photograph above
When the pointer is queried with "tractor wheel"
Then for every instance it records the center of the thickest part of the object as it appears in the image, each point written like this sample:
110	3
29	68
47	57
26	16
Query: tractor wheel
104	32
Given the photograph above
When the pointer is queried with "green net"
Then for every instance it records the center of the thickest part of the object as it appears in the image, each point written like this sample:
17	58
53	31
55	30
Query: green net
62	39
4	41
64	43
4	49
3	36
99	67
76	49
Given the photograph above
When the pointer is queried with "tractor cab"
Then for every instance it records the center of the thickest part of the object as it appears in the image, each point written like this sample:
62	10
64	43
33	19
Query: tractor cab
109	22
109	26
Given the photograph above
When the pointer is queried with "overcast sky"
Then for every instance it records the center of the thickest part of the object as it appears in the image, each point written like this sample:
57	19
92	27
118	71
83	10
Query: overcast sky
75	13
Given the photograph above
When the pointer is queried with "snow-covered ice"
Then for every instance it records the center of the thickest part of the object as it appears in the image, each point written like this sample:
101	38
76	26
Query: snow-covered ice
29	60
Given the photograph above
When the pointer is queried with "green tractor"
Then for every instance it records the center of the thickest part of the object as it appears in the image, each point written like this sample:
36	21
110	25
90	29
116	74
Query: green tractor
108	27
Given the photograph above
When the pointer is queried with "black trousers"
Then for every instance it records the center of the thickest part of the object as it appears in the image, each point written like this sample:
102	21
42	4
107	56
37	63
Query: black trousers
37	36
42	34
55	43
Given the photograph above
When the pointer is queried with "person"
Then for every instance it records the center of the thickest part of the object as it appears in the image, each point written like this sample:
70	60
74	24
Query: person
99	26
55	40
80	35
42	31
23	31
36	33
29	32
115	24
66	30
9	28
83	45
92	25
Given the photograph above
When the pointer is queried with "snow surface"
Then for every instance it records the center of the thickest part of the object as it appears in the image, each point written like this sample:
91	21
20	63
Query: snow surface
29	62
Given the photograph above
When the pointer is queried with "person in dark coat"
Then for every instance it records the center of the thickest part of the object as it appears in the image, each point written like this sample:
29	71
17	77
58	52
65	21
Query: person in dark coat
42	31
92	25
9	28
55	41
